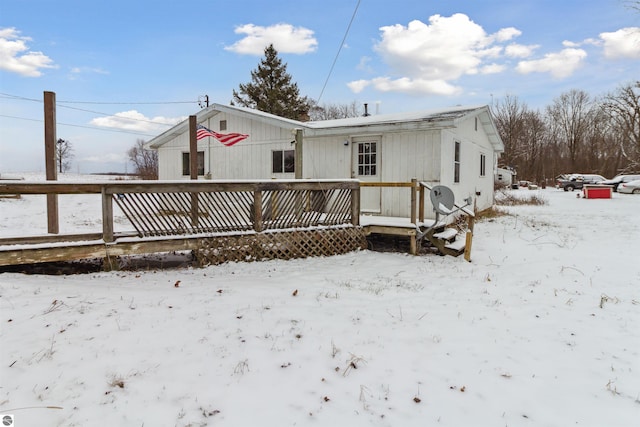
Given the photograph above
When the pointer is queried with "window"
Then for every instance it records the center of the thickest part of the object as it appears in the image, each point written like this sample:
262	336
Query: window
283	161
476	124
367	159
223	125
186	171
483	165
456	162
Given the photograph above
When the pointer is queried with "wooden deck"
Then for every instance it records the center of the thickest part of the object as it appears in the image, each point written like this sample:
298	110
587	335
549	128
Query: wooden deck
182	216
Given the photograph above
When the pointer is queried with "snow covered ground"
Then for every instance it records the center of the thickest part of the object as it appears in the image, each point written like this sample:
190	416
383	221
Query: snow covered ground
540	329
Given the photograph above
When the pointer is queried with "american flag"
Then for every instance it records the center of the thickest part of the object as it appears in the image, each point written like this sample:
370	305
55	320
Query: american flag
227	139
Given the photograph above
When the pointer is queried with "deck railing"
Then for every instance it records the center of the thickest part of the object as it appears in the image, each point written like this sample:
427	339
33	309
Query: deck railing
157	208
418	199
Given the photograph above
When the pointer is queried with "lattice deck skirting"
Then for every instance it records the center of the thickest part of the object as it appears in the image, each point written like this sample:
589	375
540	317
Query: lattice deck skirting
280	245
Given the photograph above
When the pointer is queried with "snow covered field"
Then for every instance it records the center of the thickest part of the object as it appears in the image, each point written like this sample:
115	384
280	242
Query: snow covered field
540	329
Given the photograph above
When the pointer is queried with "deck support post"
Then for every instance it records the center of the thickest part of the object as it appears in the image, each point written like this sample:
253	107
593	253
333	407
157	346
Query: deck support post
355	206
413	243
53	224
257	211
414	191
421	204
298	169
107	216
193	166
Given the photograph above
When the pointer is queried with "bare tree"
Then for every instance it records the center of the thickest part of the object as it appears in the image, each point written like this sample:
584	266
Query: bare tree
623	109
571	116
145	161
633	4
533	144
335	111
64	154
509	116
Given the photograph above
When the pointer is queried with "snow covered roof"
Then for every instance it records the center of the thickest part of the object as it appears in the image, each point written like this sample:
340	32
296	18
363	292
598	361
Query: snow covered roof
440	118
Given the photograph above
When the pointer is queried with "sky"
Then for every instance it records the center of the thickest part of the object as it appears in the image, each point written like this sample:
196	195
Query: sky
539	329
124	71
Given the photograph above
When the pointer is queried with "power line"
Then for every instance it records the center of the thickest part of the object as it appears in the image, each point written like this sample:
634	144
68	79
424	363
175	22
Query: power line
81	126
129	103
338	53
113	115
7	95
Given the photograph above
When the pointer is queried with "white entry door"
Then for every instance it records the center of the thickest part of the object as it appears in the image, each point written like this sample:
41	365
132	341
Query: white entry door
366	168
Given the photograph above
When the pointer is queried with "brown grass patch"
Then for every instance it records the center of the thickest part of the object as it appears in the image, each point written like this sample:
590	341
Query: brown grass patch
510	198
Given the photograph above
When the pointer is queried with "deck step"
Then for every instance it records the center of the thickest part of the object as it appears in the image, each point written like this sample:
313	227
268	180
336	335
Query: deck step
457	246
448	234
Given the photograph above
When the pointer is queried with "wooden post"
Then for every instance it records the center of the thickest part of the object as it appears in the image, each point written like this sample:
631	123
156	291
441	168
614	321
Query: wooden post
193	166
421	207
413	243
469	236
193	147
298	154
107	216
414	211
53	224
355	206
257	210
467	245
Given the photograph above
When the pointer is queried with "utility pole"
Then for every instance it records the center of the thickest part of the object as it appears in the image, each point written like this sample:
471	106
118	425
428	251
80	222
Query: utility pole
203	101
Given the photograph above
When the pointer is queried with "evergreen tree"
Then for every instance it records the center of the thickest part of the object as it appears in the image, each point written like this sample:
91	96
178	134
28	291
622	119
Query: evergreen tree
272	91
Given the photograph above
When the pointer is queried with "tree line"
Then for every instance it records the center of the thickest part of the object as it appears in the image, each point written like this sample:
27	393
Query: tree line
576	133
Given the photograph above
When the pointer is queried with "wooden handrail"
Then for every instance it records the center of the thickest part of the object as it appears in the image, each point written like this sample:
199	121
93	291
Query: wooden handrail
185	207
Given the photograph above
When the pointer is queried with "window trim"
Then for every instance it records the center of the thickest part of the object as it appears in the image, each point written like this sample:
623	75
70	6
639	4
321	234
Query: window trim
367	160
186	165
483	164
282	165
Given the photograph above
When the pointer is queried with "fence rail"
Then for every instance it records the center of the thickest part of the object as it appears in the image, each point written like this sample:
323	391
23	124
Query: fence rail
180	208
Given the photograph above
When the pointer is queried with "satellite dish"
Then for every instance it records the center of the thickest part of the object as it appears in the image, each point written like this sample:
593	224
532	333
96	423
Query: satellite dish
442	199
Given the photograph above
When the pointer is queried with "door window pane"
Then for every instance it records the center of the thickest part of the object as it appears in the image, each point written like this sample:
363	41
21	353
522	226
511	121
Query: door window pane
367	157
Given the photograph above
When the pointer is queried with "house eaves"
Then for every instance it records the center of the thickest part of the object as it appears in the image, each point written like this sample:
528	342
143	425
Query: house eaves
444	118
398	122
215	109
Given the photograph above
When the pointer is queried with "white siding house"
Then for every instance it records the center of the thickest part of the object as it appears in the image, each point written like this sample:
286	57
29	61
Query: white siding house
457	147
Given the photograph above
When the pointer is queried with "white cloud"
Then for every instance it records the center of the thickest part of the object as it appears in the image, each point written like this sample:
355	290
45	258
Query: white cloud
567	43
492	69
364	64
285	39
426	57
624	43
415	86
358	86
506	34
82	70
16	57
515	50
560	65
77	72
135	121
